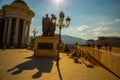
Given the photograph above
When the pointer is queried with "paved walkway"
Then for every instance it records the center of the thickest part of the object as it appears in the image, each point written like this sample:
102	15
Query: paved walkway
19	64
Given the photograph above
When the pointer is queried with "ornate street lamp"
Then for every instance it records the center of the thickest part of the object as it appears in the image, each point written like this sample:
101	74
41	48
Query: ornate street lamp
53	19
60	24
68	21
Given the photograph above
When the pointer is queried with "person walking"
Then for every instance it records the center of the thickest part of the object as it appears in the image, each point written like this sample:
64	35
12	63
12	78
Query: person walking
106	46
110	47
3	46
67	50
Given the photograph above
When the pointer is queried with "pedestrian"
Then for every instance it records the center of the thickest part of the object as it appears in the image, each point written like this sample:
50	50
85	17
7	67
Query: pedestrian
3	46
99	46
89	45
77	50
106	46
110	48
93	45
67	50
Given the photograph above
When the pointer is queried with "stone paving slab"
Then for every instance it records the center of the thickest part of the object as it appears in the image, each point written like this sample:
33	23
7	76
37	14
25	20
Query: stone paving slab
19	64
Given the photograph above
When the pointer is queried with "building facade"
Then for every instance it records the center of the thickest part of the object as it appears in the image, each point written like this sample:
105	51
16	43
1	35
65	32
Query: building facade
90	42
15	20
114	41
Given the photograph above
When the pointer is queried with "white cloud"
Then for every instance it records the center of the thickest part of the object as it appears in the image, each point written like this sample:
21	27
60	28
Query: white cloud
113	34
83	28
105	23
107	34
108	22
82	33
117	20
100	29
97	33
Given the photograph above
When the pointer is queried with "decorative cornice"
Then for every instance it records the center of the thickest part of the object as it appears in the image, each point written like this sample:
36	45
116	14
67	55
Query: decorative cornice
18	9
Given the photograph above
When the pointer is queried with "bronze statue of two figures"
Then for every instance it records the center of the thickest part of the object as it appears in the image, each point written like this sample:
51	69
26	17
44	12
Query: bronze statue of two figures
48	28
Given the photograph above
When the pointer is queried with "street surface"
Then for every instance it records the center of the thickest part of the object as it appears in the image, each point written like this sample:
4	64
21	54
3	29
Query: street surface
20	64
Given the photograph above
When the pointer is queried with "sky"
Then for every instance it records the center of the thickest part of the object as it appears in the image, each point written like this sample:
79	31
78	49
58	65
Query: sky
89	18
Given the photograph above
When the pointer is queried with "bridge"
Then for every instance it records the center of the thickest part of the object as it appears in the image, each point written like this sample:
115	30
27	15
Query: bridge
109	60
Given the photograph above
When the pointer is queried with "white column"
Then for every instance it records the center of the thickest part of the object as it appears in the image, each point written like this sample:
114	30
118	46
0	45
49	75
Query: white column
9	30
5	30
28	30
23	33
16	31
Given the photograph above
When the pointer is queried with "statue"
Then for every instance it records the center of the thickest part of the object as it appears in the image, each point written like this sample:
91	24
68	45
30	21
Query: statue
46	26
61	15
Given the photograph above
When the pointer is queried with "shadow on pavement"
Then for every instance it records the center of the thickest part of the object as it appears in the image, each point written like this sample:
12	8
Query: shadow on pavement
42	64
59	72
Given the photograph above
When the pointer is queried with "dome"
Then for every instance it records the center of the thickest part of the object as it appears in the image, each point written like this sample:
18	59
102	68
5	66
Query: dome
20	3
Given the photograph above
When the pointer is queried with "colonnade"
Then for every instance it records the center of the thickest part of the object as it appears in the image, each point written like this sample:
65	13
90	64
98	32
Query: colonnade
16	34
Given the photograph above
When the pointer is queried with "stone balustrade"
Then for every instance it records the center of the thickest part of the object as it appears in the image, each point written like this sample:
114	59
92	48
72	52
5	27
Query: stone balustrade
109	60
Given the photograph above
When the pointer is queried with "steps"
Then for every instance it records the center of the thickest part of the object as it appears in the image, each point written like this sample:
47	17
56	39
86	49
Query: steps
86	62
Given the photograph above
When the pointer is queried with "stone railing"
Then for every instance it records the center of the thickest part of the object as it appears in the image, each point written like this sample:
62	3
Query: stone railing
110	61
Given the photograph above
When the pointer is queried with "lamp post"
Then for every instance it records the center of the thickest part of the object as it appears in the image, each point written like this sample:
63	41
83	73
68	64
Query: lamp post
34	32
60	24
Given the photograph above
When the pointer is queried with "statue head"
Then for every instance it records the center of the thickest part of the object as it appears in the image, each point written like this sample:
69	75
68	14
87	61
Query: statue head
43	17
46	15
52	15
61	15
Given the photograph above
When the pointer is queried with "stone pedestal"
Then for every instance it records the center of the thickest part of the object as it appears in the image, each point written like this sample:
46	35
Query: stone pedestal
46	46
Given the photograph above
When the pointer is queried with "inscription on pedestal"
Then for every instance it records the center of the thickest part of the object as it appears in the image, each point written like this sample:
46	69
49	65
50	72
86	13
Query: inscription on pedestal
45	46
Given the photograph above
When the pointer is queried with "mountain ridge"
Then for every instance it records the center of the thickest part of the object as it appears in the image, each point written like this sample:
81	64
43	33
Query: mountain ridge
71	40
66	39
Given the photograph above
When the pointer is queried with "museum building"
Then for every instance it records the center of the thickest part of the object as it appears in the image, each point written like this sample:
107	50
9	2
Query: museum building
15	20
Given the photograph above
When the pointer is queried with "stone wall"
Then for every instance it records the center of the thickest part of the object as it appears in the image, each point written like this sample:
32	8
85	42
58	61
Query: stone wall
109	60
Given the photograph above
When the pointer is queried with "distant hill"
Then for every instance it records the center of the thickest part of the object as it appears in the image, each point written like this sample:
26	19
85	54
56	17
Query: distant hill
71	40
68	39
